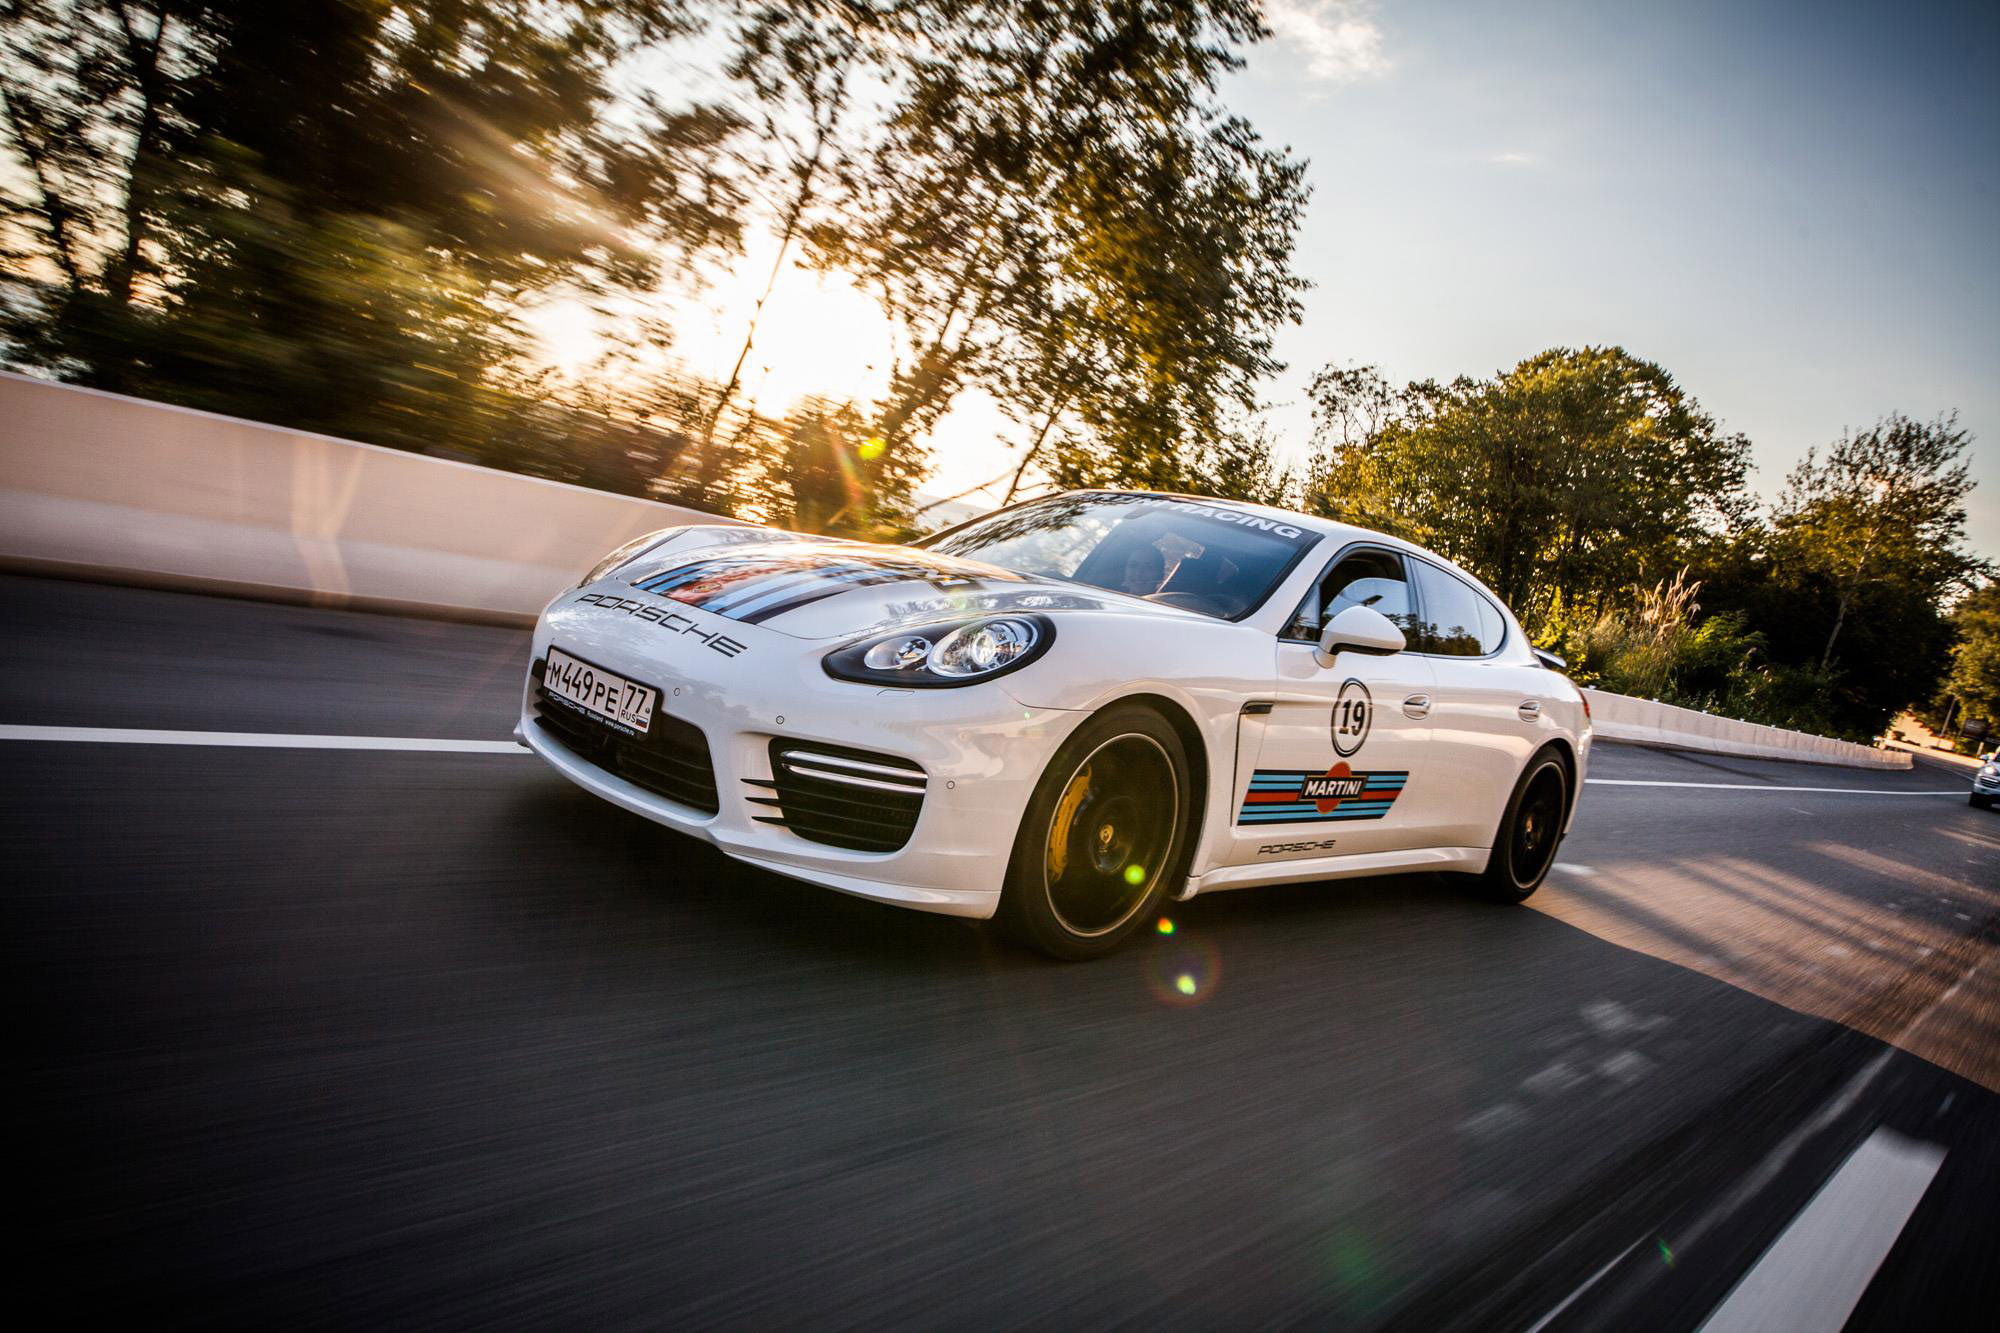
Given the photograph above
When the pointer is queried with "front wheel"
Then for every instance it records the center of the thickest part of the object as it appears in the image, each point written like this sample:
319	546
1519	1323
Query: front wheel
1525	846
1981	802
1106	834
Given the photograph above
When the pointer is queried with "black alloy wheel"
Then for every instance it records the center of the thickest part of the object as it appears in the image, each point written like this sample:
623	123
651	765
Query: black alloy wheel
1524	846
1104	839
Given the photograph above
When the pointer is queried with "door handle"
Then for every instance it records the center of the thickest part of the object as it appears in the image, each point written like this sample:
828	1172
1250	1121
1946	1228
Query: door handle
1531	709
1417	705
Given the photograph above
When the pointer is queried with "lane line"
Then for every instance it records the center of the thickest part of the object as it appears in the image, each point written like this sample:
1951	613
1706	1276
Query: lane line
1760	786
263	740
278	740
1814	1274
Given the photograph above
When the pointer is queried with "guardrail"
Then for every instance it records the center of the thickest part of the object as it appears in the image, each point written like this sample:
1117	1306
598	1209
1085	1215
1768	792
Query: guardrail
106	486
1619	717
98	484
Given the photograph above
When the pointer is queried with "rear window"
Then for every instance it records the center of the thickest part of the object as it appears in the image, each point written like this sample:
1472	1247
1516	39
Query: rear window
1458	620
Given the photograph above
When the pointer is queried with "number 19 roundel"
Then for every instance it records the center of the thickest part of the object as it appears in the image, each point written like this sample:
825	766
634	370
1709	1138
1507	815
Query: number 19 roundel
1353	710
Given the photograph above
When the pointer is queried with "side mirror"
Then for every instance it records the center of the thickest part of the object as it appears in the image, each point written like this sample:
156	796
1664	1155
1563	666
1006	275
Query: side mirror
1361	629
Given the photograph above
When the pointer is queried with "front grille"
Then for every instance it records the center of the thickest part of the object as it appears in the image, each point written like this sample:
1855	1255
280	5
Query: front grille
670	760
856	799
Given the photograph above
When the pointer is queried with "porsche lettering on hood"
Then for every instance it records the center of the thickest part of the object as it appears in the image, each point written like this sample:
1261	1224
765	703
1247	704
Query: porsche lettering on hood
773	585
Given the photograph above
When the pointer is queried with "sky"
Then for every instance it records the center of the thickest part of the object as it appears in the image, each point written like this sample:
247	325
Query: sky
1789	206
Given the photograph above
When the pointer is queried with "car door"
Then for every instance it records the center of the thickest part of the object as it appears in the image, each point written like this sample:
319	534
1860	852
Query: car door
1338	752
1485	714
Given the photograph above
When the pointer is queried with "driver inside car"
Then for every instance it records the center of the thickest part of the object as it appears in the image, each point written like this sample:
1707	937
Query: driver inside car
1145	570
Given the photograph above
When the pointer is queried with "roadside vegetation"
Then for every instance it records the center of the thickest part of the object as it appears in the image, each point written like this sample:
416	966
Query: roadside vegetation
343	216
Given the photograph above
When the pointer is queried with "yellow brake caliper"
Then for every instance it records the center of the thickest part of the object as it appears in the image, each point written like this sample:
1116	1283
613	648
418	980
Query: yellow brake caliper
1059	822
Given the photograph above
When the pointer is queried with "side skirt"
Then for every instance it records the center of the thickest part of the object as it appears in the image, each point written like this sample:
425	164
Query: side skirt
1469	859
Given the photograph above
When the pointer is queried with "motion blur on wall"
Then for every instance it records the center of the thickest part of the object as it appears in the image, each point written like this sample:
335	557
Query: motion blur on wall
491	230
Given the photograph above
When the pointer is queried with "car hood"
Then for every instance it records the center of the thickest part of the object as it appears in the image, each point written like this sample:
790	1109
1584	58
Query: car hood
838	590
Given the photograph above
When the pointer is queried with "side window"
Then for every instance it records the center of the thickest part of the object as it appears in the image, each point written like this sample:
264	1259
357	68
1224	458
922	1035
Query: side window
1361	578
1458	621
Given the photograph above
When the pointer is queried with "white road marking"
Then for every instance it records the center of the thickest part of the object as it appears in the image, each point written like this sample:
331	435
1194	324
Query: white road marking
279	740
264	740
1760	786
1588	1283
1814	1274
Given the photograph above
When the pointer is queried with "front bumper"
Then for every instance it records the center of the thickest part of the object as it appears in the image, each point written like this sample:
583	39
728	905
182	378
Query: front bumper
981	752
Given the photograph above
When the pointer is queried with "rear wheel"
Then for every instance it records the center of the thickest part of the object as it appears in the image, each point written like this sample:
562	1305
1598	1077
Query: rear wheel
1525	846
1104	838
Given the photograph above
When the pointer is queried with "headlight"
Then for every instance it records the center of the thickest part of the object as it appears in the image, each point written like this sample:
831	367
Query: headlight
625	554
961	652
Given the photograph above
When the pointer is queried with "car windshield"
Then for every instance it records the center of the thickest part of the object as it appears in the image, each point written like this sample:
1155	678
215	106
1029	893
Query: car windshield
1215	559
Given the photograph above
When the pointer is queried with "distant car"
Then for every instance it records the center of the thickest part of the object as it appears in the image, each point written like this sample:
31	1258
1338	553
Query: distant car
1065	713
1986	783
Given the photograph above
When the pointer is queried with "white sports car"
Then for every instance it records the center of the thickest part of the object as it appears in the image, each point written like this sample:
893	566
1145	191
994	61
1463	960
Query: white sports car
1065	712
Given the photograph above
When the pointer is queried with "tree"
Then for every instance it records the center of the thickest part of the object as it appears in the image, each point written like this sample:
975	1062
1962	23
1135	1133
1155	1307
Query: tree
1975	660
1056	210
92	98
361	196
1893	650
1562	482
826	473
1883	506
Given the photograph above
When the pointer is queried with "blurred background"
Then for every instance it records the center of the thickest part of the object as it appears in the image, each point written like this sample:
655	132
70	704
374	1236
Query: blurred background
866	269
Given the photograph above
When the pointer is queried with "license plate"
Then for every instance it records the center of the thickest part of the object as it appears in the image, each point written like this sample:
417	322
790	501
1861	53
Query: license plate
621	702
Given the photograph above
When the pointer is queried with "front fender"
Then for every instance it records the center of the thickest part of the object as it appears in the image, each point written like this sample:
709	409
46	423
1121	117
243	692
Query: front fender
1206	670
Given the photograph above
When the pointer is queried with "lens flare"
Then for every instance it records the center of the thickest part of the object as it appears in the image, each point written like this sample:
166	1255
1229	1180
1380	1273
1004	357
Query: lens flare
1166	926
1135	874
1184	969
873	447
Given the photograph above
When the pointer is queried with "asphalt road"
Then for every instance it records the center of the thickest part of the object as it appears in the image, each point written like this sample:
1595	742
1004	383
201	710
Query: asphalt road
354	1037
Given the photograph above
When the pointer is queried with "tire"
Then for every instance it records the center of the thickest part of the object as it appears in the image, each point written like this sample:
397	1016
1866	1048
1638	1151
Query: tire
1524	846
1107	833
1980	802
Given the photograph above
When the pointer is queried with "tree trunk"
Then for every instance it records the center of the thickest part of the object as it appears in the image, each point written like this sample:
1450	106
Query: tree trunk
793	215
1041	438
144	56
1839	619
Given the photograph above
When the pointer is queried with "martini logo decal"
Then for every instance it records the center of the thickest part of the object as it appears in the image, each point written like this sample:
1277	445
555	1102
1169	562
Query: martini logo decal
1292	796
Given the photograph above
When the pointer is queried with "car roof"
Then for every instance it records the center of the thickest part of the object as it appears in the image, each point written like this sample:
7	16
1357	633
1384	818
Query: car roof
1326	526
1329	527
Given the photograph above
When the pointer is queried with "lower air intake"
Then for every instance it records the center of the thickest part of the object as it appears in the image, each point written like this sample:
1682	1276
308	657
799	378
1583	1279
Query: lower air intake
855	799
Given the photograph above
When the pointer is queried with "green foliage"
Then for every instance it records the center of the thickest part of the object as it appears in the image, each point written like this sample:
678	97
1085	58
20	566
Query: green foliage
1060	212
1974	679
828	473
332	215
1882	512
1574	475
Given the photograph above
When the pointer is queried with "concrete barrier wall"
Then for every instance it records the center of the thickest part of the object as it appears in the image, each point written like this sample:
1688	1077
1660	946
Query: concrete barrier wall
98	484
1619	717
103	485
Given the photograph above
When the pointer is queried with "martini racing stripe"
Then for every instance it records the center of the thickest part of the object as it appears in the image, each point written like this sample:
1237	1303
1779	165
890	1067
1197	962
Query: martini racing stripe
1284	796
756	586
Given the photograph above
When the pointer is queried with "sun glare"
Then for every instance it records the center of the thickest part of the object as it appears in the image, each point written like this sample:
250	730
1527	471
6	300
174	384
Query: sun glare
818	335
